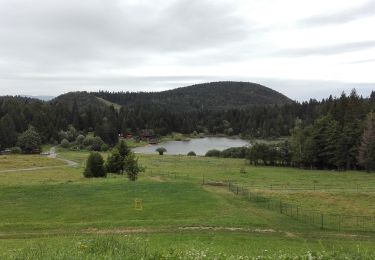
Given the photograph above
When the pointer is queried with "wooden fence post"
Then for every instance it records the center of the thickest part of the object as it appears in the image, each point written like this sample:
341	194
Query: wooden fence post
281	207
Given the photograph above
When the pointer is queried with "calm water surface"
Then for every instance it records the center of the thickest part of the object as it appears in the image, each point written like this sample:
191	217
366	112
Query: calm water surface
200	146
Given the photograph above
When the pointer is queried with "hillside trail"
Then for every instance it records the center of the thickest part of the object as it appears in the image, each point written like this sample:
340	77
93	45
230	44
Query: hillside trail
52	154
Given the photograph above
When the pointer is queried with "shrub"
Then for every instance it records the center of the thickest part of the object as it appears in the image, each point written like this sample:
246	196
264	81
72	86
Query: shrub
97	143
62	135
104	147
161	150
15	150
71	133
235	152
115	162
94	166
123	148
191	153
88	141
132	167
80	139
30	141
213	153
64	143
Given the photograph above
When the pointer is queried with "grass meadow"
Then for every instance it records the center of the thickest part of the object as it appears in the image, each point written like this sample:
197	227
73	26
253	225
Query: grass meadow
54	213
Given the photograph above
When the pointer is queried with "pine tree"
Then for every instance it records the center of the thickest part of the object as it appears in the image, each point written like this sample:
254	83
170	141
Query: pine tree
132	168
8	135
123	148
296	142
115	162
94	166
366	155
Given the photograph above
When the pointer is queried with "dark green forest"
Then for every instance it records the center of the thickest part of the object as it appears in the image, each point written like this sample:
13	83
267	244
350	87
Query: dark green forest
323	134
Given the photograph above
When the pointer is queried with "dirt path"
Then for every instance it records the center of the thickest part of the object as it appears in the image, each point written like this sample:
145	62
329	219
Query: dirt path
52	154
134	230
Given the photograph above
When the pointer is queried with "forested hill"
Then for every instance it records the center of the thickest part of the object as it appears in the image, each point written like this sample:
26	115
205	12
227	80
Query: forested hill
207	96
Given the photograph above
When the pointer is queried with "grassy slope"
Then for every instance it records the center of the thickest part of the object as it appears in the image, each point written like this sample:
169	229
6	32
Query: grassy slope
59	202
108	103
12	162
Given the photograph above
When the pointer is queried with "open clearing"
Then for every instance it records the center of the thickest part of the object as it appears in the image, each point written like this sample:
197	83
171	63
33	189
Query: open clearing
14	162
56	213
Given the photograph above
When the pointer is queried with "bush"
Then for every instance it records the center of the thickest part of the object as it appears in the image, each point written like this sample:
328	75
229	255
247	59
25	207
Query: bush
88	141
64	143
115	162
94	166
123	148
213	153
80	139
97	143
104	147
15	150
132	167
71	133
62	135
235	152
30	141
191	153
161	150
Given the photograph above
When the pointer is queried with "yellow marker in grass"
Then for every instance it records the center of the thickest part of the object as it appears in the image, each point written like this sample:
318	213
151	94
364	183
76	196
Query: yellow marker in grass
138	204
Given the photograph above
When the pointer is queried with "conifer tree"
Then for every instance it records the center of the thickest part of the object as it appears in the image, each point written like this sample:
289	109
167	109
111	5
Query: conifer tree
366	156
94	166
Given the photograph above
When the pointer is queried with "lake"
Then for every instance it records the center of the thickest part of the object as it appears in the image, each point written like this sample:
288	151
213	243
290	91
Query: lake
200	145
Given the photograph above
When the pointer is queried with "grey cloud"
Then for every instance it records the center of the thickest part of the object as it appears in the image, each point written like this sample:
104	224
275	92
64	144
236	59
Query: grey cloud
89	35
327	50
362	61
91	29
366	10
303	90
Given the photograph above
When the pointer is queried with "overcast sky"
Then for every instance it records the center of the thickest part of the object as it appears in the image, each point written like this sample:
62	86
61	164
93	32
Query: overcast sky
302	48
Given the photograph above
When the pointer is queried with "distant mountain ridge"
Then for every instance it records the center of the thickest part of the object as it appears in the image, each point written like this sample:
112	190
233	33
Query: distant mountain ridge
43	98
211	96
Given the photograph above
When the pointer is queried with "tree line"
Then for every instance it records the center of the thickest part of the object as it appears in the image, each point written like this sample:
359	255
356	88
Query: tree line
324	134
341	137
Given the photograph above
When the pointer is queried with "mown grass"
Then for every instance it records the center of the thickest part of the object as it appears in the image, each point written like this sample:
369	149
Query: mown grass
57	214
110	204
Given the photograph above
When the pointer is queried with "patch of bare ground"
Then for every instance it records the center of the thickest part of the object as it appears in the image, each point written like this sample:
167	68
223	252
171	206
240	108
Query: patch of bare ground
157	178
118	231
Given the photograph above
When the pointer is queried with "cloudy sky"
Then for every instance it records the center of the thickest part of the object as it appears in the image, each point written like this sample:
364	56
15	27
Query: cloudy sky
301	48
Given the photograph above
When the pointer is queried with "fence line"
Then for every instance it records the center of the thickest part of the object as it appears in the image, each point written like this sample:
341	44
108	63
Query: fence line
280	187
171	175
316	218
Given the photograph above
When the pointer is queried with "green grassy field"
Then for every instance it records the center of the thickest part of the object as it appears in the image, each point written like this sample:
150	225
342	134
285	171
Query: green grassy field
57	214
13	162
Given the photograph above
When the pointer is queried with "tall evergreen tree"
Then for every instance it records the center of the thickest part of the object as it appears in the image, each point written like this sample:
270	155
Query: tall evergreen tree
366	155
94	166
8	134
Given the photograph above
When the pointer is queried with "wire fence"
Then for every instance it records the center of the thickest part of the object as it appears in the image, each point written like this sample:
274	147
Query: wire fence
327	188
316	218
170	175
